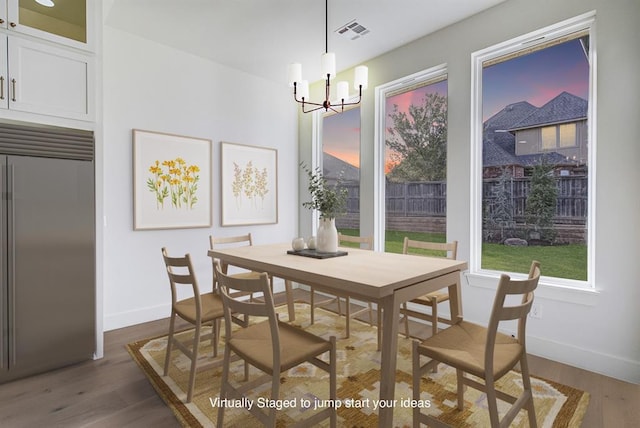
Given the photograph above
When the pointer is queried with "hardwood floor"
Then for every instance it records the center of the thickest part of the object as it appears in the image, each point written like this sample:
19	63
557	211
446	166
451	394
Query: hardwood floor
113	392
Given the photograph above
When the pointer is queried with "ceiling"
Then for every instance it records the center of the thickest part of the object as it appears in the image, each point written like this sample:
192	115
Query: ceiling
261	37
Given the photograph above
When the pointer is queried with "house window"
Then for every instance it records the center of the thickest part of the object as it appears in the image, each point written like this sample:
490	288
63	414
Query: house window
567	135
411	149
341	162
548	137
538	86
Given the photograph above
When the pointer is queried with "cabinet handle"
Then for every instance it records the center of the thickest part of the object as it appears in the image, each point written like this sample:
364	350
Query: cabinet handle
13	89
13	24
1	87
1	21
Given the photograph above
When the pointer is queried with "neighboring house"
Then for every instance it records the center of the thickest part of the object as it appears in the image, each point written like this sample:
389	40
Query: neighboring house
520	135
334	168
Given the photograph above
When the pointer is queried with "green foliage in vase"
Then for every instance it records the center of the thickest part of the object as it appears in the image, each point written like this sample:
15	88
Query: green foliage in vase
330	201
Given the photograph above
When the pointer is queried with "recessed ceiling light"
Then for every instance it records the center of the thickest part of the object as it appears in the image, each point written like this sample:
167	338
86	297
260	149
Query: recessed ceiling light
47	3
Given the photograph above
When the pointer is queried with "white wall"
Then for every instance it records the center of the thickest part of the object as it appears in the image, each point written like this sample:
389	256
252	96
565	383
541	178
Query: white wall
599	333
153	87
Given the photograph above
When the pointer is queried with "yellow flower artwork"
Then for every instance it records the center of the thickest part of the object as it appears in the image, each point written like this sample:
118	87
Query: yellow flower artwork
175	181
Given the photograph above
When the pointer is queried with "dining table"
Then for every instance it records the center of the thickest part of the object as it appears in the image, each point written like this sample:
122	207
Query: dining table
386	279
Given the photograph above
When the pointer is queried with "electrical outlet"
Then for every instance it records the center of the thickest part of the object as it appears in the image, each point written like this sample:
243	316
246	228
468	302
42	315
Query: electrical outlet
536	311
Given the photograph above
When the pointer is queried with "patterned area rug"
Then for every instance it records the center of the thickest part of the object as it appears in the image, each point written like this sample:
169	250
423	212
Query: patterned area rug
358	385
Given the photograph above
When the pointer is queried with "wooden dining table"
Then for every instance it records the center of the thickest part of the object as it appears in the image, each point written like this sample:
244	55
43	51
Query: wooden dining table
387	279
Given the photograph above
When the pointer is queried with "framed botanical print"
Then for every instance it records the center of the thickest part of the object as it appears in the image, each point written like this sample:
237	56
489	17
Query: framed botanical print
249	180
171	181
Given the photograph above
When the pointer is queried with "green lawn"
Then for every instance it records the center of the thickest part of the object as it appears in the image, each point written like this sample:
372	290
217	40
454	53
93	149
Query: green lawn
561	261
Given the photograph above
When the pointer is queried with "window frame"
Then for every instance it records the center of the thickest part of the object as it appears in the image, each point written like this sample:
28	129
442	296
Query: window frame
556	288
381	92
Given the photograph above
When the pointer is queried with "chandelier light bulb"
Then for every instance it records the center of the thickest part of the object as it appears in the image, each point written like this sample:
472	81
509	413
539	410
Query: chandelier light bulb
295	73
328	65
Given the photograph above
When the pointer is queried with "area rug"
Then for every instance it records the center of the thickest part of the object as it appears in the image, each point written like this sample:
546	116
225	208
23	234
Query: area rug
358	385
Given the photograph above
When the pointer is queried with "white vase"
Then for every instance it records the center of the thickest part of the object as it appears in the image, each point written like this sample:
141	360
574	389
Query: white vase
327	237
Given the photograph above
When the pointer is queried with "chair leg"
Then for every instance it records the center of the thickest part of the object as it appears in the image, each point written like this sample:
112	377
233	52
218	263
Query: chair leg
434	324
215	336
370	313
313	305
526	383
406	320
415	358
379	322
167	357
275	391
461	386
223	385
492	402
348	316
333	381
194	360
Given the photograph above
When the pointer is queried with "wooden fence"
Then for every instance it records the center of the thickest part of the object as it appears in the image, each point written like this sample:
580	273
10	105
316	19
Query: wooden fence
429	199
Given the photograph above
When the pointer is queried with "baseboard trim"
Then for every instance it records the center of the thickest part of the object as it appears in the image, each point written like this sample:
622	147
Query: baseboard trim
597	362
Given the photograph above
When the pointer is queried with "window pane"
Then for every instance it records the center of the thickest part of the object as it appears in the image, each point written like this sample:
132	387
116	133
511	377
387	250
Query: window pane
568	135
416	164
341	161
535	193
548	137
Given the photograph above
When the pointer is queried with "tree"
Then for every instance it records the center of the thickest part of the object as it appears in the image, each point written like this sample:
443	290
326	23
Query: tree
541	201
418	141
499	215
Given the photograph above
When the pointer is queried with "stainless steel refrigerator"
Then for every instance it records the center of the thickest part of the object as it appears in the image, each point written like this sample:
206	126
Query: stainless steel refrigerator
47	263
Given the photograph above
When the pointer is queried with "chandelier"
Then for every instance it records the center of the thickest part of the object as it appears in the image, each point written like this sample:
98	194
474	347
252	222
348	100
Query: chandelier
328	67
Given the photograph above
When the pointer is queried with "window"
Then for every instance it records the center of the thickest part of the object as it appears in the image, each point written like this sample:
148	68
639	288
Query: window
341	161
411	176
533	154
567	135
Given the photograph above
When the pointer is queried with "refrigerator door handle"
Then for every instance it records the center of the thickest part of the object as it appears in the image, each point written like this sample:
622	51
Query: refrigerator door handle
11	265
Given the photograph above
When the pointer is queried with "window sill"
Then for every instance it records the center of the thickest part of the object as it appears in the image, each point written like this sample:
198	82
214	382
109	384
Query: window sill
547	288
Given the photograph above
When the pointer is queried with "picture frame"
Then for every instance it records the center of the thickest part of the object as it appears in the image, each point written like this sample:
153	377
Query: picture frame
171	181
249	184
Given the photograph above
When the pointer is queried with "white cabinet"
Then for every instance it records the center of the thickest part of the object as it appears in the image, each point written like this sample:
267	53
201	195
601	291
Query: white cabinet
66	22
44	79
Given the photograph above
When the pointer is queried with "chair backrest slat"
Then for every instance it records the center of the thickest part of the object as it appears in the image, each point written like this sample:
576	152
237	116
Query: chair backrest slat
450	248
367	241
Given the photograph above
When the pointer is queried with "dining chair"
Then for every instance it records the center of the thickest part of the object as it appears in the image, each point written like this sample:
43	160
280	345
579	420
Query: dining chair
431	300
484	352
199	309
247	240
271	346
366	243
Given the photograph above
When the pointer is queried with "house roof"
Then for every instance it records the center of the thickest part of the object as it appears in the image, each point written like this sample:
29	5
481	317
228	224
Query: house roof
565	107
498	131
333	168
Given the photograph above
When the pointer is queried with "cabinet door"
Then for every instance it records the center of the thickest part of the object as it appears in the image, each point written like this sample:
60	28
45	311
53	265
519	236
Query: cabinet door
3	13
48	80
4	75
65	22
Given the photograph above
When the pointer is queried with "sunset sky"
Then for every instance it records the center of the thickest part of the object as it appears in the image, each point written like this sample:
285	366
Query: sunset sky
537	78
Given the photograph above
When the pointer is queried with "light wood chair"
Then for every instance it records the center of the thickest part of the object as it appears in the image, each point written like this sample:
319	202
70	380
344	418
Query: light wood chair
271	346
247	240
199	310
367	243
450	249
484	352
